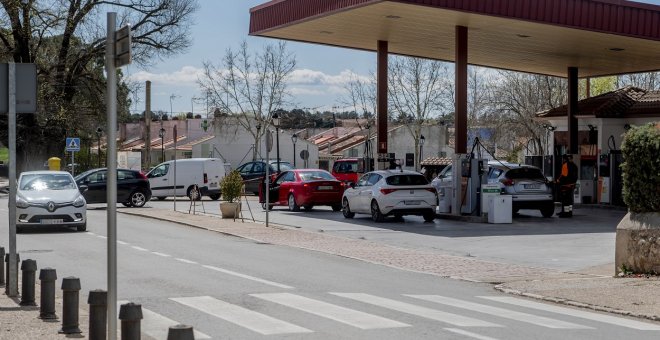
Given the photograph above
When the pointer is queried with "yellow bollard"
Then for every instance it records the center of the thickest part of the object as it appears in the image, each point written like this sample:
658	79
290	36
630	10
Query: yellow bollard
54	163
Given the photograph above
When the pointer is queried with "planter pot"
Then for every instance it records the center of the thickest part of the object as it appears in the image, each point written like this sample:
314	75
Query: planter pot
638	243
230	210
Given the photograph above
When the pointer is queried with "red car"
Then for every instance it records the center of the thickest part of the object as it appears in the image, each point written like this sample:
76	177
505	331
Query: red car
347	170
304	188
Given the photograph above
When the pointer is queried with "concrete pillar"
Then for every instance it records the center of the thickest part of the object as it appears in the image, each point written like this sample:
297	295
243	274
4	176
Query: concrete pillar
572	111
381	99
147	126
461	83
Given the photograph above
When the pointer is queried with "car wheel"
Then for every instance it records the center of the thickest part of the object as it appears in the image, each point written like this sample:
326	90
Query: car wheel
126	204
398	218
161	198
548	210
263	206
19	229
215	197
308	207
336	207
292	203
429	216
346	209
376	215
82	227
256	193
190	193
138	199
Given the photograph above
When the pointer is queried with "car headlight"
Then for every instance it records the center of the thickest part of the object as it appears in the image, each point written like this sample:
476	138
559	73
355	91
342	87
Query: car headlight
22	203
79	202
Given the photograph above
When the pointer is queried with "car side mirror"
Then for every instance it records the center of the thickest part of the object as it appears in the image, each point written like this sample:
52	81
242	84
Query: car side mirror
83	188
352	185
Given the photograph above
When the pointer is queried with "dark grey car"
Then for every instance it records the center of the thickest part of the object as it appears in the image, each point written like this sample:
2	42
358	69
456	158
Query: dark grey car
254	172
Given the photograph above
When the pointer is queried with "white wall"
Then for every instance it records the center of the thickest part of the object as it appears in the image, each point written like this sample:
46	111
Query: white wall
235	144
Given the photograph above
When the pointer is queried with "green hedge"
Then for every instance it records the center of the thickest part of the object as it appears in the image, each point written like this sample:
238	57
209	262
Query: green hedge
641	169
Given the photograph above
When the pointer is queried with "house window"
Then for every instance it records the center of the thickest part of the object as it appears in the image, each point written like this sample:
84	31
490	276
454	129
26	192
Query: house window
187	154
410	159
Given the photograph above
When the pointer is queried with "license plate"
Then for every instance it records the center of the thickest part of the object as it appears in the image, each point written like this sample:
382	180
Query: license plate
412	202
325	187
52	221
532	186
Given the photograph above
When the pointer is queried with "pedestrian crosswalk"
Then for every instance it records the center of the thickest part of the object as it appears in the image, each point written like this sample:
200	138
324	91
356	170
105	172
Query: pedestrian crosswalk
475	317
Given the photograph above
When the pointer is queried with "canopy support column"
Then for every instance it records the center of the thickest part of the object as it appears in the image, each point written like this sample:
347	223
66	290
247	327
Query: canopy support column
572	110
381	100
461	83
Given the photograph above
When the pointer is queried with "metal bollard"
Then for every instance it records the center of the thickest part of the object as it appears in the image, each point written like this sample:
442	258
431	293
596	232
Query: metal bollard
98	313
18	259
70	288
47	276
180	332
29	268
130	315
2	268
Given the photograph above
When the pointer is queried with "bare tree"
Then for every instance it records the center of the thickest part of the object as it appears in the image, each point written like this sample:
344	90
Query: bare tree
516	98
361	95
250	87
647	81
417	89
66	40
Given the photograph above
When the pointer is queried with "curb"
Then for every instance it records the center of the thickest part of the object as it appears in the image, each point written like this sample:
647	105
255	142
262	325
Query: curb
572	303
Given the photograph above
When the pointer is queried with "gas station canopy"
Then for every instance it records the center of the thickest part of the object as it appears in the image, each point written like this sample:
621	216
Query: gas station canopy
598	37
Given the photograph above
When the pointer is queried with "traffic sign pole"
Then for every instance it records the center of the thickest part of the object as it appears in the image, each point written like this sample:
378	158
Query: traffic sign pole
111	198
12	271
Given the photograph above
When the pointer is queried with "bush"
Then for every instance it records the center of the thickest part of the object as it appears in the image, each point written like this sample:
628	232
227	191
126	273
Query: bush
641	168
231	186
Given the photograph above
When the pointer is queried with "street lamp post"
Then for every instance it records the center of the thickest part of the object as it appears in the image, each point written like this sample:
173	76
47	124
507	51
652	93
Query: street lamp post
421	149
276	123
161	134
98	137
294	139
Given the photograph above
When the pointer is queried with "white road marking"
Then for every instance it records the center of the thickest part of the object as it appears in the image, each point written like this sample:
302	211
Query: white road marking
90	233
500	312
644	326
433	314
333	312
244	276
186	261
157	326
254	321
469	334
139	248
122	243
101	236
160	254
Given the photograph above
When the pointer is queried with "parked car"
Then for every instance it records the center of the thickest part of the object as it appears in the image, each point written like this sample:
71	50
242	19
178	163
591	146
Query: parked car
205	173
390	192
254	172
347	170
304	188
133	189
528	187
49	198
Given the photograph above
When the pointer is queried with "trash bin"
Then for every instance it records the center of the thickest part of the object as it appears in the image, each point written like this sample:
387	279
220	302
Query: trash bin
499	209
54	163
444	199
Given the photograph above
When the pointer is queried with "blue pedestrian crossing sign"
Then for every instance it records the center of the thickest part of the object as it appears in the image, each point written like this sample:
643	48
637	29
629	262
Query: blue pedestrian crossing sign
72	144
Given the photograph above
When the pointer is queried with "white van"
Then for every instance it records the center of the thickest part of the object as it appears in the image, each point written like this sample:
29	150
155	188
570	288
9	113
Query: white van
205	172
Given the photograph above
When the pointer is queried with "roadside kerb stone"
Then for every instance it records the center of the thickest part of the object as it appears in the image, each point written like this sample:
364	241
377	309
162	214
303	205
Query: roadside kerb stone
414	260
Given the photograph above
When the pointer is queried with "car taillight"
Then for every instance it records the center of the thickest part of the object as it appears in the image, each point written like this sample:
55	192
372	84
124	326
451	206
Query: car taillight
387	191
206	179
431	190
506	181
142	175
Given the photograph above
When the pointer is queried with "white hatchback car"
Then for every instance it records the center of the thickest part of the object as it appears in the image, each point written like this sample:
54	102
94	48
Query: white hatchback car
390	193
49	198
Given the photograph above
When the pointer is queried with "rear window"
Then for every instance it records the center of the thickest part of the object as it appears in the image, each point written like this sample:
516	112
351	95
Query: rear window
525	173
406	180
126	175
283	166
314	175
345	167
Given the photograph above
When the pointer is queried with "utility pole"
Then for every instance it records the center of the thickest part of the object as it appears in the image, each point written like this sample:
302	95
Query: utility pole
147	122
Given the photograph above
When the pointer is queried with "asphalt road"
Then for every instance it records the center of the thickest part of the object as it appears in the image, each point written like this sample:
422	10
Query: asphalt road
231	288
586	240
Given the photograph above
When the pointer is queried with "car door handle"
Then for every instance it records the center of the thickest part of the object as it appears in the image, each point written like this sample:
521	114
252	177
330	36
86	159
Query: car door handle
164	179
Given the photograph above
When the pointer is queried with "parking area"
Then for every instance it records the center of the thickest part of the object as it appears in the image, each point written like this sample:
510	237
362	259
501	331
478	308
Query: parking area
575	244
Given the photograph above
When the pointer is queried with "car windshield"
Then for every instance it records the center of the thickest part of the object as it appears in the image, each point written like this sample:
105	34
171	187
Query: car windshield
406	180
525	173
84	174
283	166
38	182
314	175
345	167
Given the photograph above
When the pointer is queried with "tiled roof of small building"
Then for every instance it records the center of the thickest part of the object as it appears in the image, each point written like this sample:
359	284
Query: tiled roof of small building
435	161
628	101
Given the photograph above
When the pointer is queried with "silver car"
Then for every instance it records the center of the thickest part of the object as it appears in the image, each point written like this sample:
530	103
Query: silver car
528	187
47	198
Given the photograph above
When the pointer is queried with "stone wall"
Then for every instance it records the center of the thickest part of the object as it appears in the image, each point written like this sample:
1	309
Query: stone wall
638	243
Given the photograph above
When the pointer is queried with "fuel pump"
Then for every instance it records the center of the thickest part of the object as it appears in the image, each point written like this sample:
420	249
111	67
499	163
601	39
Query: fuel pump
473	175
